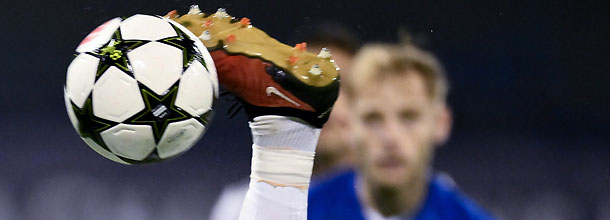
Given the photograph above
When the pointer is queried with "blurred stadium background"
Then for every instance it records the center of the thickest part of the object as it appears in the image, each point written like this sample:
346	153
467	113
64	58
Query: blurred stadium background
529	94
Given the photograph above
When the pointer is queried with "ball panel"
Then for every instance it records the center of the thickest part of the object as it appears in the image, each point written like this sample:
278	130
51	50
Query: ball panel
71	114
80	78
146	27
195	94
212	70
134	142
100	150
156	65
207	58
98	37
116	96
179	137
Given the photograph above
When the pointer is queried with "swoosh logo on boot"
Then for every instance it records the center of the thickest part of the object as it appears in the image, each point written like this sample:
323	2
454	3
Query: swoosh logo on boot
272	90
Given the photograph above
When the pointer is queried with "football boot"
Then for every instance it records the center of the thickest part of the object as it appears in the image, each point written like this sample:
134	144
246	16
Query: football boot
269	77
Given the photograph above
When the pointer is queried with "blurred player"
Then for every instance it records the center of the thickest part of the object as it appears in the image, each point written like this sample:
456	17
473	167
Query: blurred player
332	151
397	100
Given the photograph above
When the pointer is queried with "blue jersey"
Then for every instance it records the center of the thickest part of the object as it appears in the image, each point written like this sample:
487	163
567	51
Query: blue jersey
336	199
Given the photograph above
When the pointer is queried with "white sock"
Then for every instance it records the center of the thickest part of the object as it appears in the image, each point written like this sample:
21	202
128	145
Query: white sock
264	201
283	152
280	131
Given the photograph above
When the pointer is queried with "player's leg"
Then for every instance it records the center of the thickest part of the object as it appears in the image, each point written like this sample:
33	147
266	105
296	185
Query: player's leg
287	93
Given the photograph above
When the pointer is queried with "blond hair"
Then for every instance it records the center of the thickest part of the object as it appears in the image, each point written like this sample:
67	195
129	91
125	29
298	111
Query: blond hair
376	61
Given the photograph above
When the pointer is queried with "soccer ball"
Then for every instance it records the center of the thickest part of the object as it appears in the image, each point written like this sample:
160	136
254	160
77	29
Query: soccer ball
141	89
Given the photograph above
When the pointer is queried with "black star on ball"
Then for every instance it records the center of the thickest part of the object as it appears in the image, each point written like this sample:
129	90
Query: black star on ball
114	53
190	52
160	110
90	126
204	119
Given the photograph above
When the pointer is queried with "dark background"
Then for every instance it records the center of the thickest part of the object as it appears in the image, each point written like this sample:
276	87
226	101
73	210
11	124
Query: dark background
529	95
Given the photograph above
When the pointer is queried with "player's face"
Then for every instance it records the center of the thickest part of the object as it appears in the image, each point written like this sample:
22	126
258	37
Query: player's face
396	126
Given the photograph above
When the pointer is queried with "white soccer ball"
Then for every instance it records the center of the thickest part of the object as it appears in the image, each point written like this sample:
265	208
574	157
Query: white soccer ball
141	89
